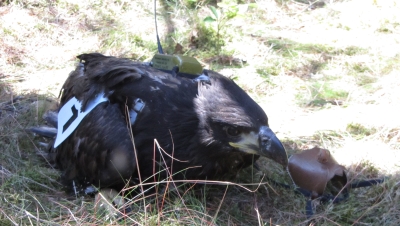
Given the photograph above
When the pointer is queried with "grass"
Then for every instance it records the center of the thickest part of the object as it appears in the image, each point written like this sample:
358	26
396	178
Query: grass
326	77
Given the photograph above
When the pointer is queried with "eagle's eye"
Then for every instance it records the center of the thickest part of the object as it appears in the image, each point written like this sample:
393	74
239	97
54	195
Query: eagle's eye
232	131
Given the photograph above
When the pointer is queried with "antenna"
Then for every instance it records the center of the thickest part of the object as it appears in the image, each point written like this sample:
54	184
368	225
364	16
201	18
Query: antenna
160	50
176	64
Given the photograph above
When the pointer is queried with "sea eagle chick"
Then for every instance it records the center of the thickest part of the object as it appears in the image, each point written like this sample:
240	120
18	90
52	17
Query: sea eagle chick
208	129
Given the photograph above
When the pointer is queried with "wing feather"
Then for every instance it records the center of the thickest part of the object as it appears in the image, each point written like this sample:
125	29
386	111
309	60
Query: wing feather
98	74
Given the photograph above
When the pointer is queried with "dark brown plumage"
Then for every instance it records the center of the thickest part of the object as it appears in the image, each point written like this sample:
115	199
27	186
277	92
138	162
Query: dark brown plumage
212	128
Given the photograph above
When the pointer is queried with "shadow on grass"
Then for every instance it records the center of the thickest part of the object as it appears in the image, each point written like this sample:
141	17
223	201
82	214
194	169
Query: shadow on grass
25	179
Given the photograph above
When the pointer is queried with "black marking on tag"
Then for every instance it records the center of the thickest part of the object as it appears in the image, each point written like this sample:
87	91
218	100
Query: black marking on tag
70	120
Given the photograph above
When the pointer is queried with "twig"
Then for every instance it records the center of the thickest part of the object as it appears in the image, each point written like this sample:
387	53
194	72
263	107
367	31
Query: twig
4	214
220	204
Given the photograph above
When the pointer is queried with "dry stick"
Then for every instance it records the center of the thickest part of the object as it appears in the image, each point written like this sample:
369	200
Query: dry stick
18	150
37	213
258	213
170	175
38	203
27	213
196	182
190	188
155	180
154	184
172	162
171	156
331	221
168	172
154	176
135	152
11	220
369	208
173	150
209	182
67	208
341	190
193	181
73	216
220	204
268	185
35	182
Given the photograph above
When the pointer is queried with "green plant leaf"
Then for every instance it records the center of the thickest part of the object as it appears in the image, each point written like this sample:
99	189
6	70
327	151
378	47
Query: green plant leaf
253	5
214	11
209	19
232	12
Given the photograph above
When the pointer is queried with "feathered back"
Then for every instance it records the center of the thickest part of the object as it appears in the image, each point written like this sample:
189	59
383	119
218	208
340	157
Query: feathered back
98	74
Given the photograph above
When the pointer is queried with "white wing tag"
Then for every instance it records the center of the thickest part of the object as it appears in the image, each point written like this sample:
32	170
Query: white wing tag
70	115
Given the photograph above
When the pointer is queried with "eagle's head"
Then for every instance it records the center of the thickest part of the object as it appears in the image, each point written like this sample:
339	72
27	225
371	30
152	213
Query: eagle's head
230	119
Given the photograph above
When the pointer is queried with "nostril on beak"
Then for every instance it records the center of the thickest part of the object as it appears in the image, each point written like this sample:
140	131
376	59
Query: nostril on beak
265	140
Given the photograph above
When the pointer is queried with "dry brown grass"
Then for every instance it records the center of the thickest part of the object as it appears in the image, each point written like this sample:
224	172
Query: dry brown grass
299	63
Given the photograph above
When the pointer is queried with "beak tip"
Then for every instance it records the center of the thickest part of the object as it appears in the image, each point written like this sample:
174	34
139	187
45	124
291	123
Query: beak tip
278	152
273	149
282	157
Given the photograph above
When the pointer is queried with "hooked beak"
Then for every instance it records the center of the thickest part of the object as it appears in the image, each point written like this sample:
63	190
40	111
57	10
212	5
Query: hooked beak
271	147
264	143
